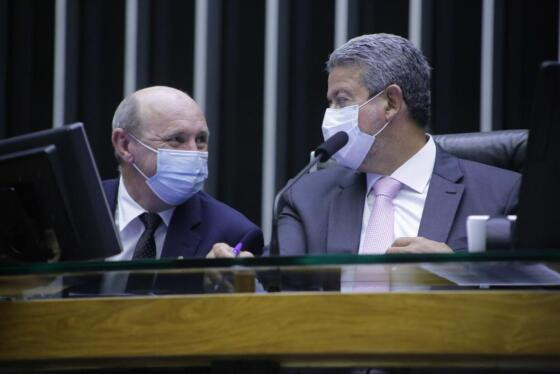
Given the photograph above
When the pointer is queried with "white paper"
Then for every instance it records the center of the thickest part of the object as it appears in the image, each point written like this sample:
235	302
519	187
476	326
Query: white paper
496	274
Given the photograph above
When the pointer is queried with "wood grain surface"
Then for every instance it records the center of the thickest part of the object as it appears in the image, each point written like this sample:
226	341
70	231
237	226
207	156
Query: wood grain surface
288	327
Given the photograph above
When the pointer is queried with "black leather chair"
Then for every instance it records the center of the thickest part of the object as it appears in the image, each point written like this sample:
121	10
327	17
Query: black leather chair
505	149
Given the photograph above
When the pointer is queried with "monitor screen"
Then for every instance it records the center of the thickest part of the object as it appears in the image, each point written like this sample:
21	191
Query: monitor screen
539	201
54	202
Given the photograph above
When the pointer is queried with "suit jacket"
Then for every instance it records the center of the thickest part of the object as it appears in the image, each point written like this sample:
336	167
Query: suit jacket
199	223
323	212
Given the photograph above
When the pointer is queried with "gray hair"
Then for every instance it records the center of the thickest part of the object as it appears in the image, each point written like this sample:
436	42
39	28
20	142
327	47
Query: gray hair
126	116
388	59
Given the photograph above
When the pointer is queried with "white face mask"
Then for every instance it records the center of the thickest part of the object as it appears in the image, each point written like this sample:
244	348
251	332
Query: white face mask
179	174
359	143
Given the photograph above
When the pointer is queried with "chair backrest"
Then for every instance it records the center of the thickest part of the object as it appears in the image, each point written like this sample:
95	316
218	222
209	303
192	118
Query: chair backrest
505	149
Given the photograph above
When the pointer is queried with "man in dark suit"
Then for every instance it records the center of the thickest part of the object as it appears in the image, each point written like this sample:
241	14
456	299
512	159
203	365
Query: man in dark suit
160	138
394	189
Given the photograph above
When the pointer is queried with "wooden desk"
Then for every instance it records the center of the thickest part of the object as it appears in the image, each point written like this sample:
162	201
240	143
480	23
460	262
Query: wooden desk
466	328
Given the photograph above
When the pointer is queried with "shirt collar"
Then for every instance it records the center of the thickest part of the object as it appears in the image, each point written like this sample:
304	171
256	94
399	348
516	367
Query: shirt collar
416	172
128	209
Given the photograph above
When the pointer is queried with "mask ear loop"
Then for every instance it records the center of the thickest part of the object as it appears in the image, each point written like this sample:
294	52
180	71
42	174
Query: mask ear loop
142	143
140	171
386	123
370	99
146	146
383	128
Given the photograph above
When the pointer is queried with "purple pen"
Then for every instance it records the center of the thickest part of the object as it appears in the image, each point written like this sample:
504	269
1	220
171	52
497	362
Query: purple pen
237	249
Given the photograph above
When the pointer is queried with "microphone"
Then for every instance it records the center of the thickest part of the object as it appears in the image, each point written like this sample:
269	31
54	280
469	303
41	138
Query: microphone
331	146
322	153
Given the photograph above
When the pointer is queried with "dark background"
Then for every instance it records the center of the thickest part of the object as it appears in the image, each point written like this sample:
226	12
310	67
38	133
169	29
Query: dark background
526	33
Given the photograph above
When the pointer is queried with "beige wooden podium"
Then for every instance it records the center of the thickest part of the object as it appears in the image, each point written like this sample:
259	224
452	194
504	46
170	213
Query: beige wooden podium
446	329
422	319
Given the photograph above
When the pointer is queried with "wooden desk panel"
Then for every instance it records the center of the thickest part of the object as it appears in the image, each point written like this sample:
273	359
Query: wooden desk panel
321	328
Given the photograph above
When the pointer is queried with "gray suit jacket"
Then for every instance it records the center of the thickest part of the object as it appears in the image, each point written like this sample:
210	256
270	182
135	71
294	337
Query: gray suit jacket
322	213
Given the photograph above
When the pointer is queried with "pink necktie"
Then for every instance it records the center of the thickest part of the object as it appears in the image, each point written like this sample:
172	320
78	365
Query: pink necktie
380	229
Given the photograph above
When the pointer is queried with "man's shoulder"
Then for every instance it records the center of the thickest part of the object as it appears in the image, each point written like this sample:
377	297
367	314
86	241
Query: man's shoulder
486	181
110	183
111	188
212	208
487	173
327	178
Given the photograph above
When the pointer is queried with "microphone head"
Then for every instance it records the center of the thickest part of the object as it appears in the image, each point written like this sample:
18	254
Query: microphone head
331	146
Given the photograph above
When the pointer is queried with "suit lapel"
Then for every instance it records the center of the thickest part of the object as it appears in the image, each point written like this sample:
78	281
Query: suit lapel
444	196
182	237
345	215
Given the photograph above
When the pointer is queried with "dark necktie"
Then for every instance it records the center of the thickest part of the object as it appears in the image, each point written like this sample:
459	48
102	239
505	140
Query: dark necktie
145	249
146	246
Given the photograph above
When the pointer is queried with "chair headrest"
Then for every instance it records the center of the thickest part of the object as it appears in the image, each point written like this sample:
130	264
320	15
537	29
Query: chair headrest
505	149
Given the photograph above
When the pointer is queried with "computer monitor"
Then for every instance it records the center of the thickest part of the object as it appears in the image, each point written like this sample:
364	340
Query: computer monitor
539	204
54	207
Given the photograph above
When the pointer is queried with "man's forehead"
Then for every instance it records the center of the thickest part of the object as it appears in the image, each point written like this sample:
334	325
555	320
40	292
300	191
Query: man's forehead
169	104
163	117
344	78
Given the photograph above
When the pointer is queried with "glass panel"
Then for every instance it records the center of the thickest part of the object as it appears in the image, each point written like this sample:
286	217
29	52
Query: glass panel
349	273
550	255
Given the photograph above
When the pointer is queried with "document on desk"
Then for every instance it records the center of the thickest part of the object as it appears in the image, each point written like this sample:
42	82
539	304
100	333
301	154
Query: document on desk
496	274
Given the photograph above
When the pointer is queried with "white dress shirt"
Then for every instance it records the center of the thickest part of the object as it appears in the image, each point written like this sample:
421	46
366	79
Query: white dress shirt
415	175
127	220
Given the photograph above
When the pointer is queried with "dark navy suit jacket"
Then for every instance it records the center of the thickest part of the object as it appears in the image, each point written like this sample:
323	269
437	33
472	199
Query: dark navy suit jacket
195	227
198	224
323	211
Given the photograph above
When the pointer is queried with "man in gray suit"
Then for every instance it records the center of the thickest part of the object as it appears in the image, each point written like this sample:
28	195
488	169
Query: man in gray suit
393	190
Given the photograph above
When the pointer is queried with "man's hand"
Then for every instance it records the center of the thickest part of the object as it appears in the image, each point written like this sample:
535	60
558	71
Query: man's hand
221	281
418	245
222	250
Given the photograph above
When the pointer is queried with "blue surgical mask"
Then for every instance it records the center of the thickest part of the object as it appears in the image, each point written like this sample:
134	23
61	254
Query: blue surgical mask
179	174
359	143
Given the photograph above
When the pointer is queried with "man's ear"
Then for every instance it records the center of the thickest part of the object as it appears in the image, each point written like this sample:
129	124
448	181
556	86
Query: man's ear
121	143
395	99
